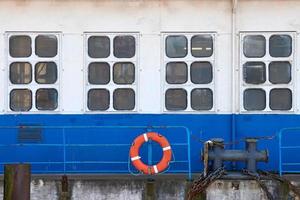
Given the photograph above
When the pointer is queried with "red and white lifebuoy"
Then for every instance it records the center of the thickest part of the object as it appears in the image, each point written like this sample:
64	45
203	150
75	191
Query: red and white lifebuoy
136	159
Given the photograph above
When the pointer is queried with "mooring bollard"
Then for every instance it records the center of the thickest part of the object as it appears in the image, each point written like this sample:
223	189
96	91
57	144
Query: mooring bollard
17	179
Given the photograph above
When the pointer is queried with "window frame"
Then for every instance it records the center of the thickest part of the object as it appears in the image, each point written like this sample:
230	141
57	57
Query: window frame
33	59
267	86
111	60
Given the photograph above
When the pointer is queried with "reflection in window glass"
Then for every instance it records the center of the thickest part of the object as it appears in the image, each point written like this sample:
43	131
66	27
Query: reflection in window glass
20	100
124	73
254	46
20	46
124	99
98	46
124	46
254	99
280	46
201	72
99	73
176	73
280	72
46	72
202	45
176	99
280	99
46	99
176	46
202	99
98	99
46	46
20	73
254	72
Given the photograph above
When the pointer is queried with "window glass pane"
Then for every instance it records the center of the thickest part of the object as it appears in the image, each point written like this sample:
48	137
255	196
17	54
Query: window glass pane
254	46
124	46
20	73
46	46
202	99
254	72
20	46
99	73
124	99
20	100
98	99
280	99
46	99
124	73
202	45
201	72
176	99
46	72
254	99
176	73
98	46
280	45
176	46
280	72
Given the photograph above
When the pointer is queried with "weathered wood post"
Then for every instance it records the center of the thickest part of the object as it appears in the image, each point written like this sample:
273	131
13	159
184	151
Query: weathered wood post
17	182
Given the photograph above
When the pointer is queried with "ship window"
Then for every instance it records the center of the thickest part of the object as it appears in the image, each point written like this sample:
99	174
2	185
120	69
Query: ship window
20	46
254	46
280	45
201	72
124	99
46	46
46	99
98	99
99	46
201	99
20	73
254	72
20	100
45	72
254	99
202	45
124	73
176	46
99	73
124	46
280	99
176	72
280	72
176	99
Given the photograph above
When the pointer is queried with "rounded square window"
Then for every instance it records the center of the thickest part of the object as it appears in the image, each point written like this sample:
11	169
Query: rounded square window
20	73
254	72
280	72
99	73
254	46
201	99
46	72
176	46
176	99
201	72
280	45
124	46
99	46
20	46
124	99
176	72
20	100
98	99
202	46
254	99
124	73
46	46
281	99
46	99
